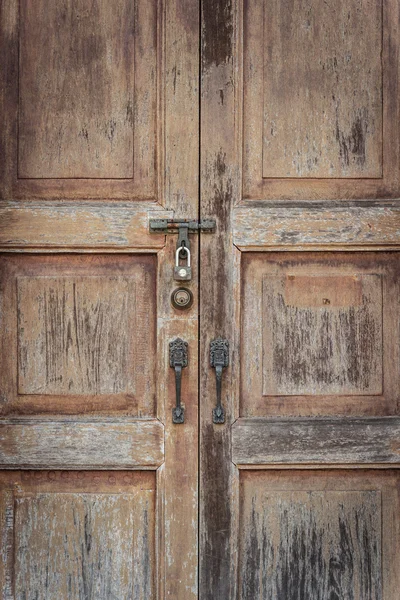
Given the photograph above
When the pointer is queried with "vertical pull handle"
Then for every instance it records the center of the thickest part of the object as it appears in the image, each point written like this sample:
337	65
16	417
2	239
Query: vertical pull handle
219	359
178	360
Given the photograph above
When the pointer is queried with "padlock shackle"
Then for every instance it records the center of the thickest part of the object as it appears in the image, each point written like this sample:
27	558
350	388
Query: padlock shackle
186	251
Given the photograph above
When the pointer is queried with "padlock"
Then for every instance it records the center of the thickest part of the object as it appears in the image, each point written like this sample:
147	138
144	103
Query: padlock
182	272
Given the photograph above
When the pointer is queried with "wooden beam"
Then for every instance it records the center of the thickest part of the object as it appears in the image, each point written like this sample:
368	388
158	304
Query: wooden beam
30	443
329	225
324	441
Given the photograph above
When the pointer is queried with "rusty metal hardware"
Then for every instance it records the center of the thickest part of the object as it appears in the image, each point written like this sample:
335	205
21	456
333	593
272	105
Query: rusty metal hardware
182	298
219	359
182	272
182	227
178	360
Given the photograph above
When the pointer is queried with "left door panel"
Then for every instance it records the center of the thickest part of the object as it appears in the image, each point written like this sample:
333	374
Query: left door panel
98	488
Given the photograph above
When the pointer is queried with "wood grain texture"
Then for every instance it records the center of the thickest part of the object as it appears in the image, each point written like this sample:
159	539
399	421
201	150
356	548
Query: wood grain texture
85	336
219	190
86	86
324	534
66	548
322	89
86	226
76	90
318	544
136	444
76	335
316	441
320	106
80	535
352	225
319	334
322	335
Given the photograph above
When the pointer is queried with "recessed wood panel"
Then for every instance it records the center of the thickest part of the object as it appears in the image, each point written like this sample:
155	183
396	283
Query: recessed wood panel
322	335
76	335
322	89
320	99
318	334
318	536
79	535
79	334
76	89
83	100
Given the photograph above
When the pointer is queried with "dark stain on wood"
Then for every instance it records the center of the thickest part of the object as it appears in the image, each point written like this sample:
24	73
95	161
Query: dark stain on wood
216	557
311	545
217	32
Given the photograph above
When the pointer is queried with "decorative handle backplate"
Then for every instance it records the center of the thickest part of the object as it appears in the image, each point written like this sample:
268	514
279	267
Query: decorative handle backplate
219	359
178	360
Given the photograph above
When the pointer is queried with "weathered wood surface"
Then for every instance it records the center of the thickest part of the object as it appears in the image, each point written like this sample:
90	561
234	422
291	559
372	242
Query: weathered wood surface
76	335
364	225
322	89
82	100
136	444
78	535
76	90
314	541
219	190
79	225
320	92
319	334
338	533
77	344
316	441
322	334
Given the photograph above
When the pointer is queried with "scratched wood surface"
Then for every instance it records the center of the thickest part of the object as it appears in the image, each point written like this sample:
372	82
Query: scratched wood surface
82	324
297	226
64	541
345	530
319	535
318	334
322	89
219	190
32	443
316	441
82	98
320	99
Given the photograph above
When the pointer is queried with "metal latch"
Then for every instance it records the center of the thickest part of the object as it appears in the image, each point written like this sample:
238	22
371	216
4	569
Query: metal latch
182	227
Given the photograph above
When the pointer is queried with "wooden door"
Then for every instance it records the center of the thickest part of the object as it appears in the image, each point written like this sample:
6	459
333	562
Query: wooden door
299	488
99	133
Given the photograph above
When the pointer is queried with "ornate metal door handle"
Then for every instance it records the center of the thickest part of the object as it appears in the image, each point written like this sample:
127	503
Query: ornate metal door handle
178	360
219	358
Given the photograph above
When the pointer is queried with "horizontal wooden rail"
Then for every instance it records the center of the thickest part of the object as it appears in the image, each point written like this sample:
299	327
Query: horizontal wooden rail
136	444
268	225
313	441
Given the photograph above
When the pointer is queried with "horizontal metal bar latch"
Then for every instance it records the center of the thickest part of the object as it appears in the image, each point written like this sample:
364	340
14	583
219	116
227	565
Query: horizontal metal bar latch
174	225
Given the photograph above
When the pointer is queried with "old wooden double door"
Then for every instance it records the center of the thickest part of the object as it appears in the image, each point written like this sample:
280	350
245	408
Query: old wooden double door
280	121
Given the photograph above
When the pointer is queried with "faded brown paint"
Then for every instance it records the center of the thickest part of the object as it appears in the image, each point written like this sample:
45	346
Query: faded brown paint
82	322
310	544
316	339
104	443
266	442
322	89
106	391
320	106
318	332
63	544
82	100
66	51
